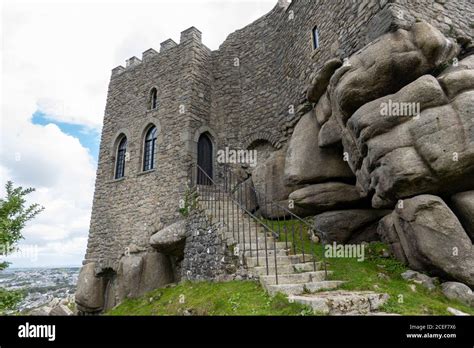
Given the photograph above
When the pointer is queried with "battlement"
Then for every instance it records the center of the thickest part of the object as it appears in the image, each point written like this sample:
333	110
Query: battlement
191	34
167	44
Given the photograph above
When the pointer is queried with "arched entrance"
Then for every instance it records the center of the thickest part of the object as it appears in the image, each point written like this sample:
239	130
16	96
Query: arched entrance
204	159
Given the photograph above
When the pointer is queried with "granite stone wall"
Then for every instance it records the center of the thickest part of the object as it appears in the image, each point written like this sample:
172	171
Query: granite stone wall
207	256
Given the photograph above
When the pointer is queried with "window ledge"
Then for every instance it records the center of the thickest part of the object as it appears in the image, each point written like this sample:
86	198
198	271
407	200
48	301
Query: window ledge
117	180
146	172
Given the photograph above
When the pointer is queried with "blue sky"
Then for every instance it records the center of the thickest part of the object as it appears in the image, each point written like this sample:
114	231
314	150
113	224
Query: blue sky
88	137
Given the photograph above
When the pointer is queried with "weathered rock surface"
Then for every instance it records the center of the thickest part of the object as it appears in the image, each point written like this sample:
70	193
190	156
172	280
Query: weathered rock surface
170	240
343	302
430	239
41	311
61	310
330	134
463	207
406	133
457	312
326	196
245	194
347	226
140	273
90	289
306	162
268	180
321	80
420	278
388	64
459	292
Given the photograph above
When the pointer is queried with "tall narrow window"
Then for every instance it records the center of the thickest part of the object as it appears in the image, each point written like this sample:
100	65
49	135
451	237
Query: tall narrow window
153	99
315	37
149	150
121	153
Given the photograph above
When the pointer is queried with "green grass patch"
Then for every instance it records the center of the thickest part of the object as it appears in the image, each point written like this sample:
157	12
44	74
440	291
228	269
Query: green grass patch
209	298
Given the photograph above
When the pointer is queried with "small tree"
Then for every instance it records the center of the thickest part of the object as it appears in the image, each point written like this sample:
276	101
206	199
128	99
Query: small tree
13	217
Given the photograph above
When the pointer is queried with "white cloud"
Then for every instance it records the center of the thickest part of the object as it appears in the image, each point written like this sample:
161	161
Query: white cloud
56	57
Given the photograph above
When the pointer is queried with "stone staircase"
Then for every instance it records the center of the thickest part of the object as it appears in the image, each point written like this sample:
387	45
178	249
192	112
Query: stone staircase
298	276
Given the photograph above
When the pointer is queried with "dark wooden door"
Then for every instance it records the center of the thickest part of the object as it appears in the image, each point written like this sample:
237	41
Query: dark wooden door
204	159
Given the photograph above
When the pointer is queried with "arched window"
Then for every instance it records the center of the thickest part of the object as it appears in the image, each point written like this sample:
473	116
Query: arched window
153	103
120	164
315	35
149	149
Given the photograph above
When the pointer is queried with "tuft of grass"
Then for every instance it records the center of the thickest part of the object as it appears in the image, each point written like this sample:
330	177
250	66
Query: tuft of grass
209	298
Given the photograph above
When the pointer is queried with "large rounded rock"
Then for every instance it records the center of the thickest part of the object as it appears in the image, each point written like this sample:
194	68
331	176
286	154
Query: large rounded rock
431	238
463	207
171	239
140	273
321	80
268	181
349	226
245	194
90	289
459	292
306	162
326	196
388	64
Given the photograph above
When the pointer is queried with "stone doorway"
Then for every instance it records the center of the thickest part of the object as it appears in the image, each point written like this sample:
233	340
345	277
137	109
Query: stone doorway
204	159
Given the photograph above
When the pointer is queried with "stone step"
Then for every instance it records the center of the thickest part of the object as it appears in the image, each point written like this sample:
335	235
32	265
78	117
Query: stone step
239	237
298	289
285	269
342	302
281	260
261	246
294	278
261	255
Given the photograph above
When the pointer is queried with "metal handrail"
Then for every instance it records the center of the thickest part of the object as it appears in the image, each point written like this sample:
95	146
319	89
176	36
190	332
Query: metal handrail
309	226
255	218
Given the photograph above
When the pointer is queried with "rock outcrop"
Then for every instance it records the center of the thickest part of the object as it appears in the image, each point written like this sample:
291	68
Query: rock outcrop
317	198
170	240
90	290
459	292
406	132
140	273
349	226
463	207
306	162
425	233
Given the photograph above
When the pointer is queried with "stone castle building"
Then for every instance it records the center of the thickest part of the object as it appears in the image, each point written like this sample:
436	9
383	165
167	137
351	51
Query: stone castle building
177	106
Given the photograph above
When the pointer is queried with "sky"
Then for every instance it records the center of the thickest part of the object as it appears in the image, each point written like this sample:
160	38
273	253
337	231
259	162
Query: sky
55	64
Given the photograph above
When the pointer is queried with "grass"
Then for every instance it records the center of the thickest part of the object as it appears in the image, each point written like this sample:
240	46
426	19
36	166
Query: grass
374	273
208	298
380	274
